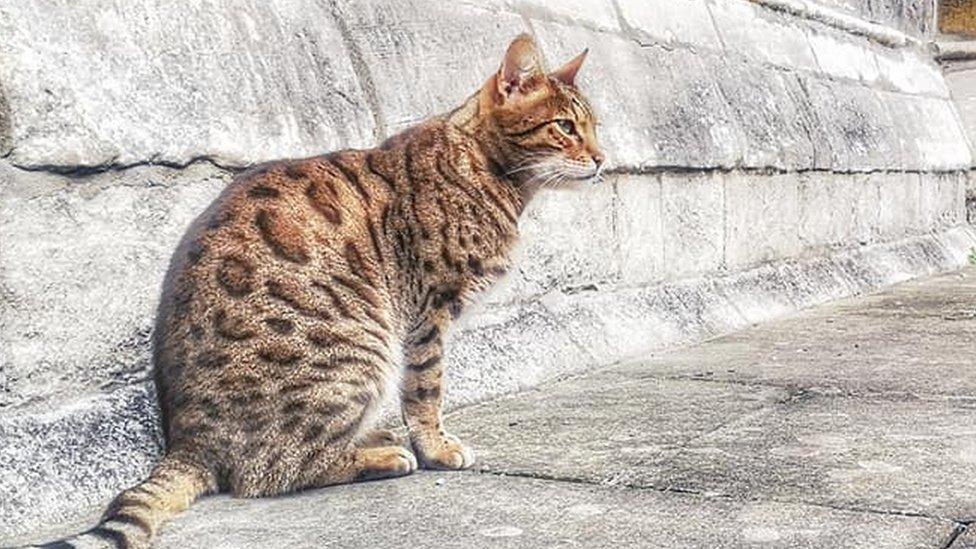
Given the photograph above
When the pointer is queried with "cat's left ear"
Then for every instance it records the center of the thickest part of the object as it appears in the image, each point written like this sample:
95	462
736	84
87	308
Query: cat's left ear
522	70
567	73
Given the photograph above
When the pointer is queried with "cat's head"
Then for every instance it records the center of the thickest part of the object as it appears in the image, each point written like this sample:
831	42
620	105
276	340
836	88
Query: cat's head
543	129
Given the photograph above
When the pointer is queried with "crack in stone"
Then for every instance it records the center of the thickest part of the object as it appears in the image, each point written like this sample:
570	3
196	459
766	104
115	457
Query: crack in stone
771	170
800	393
711	495
111	166
956	533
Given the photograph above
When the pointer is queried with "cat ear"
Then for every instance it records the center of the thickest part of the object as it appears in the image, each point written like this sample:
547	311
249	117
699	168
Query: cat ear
520	69
567	73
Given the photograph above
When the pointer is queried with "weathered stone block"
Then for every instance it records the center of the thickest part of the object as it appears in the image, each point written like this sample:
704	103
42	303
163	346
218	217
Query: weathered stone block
568	239
842	55
774	114
640	229
866	202
827	207
761	218
963	86
898	194
424	58
942	200
860	131
682	21
932	130
657	107
971	198
910	71
626	322
64	459
93	83
507	349
597	14
911	16
693	214
762	35
81	269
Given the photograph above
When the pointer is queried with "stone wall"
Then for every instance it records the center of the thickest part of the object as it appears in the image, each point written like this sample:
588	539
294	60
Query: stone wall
760	162
916	17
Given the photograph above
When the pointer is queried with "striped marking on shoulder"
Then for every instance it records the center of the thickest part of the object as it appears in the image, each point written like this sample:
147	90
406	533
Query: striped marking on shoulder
365	293
354	259
338	362
500	204
370	165
353	178
374	239
477	196
337	302
375	334
377	319
323	198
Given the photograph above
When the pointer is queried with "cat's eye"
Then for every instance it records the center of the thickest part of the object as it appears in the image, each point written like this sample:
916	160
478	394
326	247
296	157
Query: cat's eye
566	126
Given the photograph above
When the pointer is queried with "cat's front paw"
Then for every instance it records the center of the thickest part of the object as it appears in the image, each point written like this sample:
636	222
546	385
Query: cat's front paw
445	452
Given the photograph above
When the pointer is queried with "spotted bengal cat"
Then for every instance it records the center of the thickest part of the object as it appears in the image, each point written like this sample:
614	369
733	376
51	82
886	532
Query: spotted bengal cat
310	289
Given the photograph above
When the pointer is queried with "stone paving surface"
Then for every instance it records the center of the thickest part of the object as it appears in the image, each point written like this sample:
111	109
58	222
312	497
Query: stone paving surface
848	425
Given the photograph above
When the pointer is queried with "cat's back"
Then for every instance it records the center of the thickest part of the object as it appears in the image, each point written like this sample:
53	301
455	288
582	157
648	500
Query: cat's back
240	280
287	216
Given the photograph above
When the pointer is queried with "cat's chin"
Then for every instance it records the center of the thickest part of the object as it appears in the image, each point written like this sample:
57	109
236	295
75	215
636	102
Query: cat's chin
594	178
577	184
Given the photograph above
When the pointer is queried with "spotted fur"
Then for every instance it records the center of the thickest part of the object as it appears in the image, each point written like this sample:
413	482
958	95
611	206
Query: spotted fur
312	288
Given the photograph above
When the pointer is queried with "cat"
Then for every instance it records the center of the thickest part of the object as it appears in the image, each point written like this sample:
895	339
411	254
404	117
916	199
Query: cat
312	288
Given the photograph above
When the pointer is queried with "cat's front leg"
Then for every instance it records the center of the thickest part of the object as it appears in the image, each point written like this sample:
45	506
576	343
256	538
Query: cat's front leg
422	395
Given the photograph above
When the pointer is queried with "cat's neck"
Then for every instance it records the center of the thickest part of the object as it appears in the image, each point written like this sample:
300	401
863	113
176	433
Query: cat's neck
469	119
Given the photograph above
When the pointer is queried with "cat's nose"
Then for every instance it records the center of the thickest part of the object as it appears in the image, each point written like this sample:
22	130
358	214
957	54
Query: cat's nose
598	159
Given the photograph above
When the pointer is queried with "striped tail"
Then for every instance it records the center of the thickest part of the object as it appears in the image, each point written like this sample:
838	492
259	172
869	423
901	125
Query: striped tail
135	515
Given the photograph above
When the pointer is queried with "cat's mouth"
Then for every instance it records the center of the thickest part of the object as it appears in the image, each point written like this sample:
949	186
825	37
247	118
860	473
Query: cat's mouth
554	174
594	176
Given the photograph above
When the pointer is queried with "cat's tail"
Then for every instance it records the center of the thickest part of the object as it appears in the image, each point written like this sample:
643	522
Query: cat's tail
135	515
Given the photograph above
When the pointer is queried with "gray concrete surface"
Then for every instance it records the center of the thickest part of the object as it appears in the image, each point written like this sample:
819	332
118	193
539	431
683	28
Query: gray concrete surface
848	425
862	404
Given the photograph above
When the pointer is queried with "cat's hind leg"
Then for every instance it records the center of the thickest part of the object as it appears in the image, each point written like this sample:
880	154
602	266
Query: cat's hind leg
382	437
360	463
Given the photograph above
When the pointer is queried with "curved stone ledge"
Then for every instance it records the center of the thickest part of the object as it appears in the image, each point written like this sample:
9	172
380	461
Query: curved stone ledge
83	257
843	21
98	85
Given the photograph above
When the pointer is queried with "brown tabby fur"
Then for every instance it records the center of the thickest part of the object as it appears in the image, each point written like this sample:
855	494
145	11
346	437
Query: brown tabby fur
310	289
